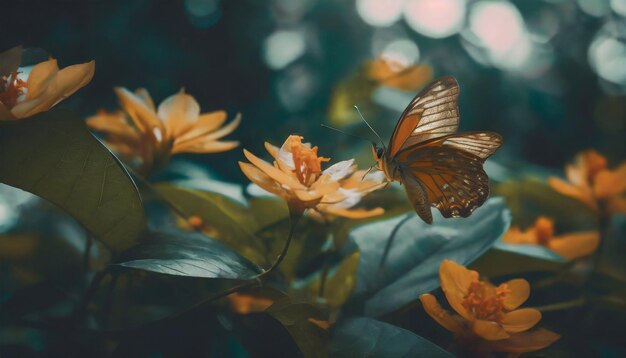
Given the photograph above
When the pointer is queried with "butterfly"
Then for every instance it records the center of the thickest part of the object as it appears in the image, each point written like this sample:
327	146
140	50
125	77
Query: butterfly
437	166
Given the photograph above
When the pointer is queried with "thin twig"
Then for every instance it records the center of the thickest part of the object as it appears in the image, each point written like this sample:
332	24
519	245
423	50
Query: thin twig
579	302
392	237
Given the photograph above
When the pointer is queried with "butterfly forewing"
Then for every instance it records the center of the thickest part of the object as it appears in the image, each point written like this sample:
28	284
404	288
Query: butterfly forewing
454	180
431	114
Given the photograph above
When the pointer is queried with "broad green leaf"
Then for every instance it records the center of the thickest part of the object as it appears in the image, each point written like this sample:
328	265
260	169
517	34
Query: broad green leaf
231	221
339	283
299	320
54	156
413	261
188	254
366	337
538	251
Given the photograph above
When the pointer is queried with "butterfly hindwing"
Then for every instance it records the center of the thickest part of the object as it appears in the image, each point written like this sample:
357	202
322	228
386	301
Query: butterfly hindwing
431	114
418	197
454	180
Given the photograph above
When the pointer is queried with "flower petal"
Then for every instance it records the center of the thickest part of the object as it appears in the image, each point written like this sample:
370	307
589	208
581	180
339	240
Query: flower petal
616	205
572	191
489	330
205	146
609	183
144	118
351	213
274	172
441	316
526	341
261	179
178	112
278	160
54	89
516	237
340	170
113	124
205	124
10	60
520	290
521	320
39	77
455	282
575	245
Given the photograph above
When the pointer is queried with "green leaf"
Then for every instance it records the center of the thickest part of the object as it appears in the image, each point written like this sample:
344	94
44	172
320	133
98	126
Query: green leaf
413	261
188	254
231	221
54	156
339	283
366	337
297	318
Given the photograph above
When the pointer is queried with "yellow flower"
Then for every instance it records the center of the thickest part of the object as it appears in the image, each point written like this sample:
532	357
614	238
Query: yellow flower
155	134
489	315
297	177
591	182
44	86
570	246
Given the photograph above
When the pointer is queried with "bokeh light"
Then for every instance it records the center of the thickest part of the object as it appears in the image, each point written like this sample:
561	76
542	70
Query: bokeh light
401	51
619	6
283	47
607	56
435	18
597	8
380	12
497	35
202	13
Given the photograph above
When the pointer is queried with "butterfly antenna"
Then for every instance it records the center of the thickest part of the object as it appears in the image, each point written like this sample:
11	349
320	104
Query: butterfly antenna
370	127
346	133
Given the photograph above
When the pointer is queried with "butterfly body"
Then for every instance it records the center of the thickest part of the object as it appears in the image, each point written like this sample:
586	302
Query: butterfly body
437	166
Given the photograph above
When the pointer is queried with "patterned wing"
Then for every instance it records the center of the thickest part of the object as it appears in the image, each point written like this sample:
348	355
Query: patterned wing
433	113
480	144
453	179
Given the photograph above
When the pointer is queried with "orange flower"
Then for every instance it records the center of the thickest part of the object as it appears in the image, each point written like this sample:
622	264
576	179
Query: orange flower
155	134
591	182
570	246
489	315
25	93
297	177
391	73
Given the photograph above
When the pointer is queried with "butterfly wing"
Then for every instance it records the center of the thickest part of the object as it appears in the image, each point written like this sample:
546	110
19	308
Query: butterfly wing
416	193
433	113
453	179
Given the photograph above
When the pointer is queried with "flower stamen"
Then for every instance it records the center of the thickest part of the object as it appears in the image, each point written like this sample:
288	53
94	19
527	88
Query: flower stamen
485	301
11	89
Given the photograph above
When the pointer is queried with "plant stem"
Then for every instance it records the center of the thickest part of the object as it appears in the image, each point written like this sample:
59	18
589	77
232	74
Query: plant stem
294	221
88	296
603	228
392	237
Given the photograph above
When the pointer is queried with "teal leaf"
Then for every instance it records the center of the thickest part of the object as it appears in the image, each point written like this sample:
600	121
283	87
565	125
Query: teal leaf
412	264
366	337
188	254
53	155
538	251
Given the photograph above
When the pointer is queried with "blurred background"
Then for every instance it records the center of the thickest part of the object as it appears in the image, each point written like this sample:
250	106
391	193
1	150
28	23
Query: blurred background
550	75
